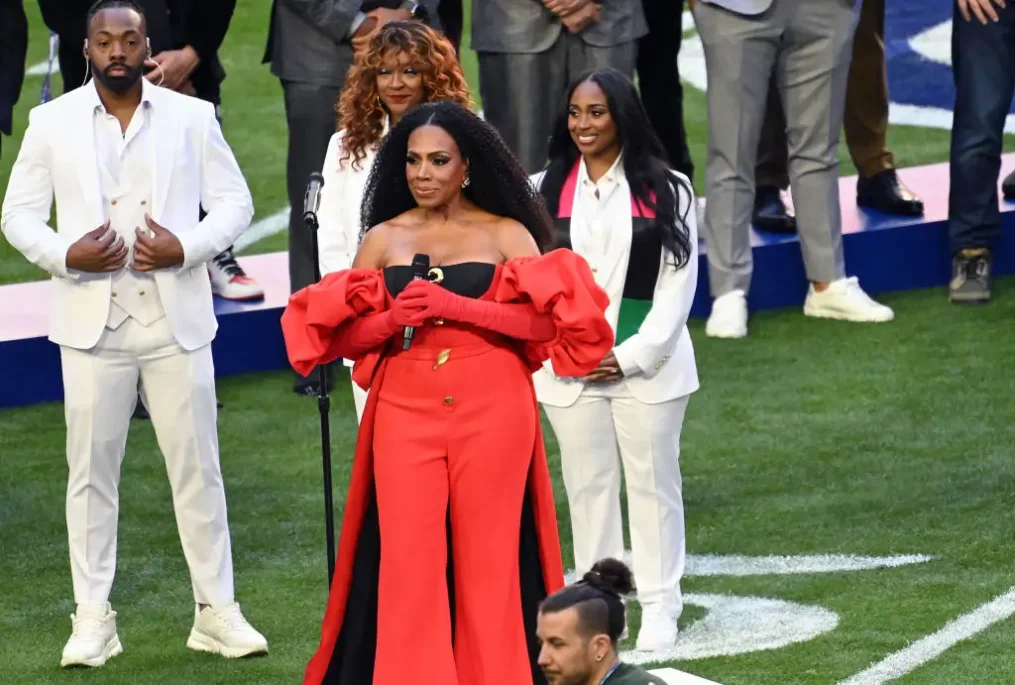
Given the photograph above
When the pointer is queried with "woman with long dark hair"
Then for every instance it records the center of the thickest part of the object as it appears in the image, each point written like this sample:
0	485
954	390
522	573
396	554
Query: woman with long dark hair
449	540
618	204
406	63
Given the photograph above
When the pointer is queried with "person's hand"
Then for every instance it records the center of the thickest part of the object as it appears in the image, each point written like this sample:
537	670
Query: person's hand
564	8
608	371
177	66
375	20
408	310
430	299
161	250
98	251
982	9
582	19
188	89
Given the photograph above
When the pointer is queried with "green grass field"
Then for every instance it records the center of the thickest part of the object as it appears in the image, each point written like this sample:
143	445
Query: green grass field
812	437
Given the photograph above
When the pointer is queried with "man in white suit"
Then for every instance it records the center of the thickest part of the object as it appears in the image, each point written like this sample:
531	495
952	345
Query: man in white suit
132	301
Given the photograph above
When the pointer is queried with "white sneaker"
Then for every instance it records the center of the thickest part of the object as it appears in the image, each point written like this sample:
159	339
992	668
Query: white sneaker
658	631
223	630
94	639
729	316
230	281
846	301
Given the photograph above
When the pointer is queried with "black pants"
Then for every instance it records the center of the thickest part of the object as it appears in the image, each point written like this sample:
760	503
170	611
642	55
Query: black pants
310	115
983	63
659	79
450	14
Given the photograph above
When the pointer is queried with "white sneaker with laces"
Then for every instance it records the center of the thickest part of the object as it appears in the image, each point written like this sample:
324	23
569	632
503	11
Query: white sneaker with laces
93	640
729	316
658	630
845	300
230	281
223	630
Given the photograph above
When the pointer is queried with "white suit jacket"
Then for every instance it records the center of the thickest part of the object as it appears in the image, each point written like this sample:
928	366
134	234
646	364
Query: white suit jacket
192	167
338	216
658	361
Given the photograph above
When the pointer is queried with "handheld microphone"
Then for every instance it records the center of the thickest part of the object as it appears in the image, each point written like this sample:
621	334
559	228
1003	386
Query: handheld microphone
420	267
312	199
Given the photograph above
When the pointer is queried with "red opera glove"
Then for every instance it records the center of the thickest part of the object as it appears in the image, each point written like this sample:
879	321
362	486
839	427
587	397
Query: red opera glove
515	320
367	332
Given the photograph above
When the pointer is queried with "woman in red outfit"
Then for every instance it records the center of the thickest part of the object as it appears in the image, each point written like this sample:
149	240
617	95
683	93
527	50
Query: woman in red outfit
449	538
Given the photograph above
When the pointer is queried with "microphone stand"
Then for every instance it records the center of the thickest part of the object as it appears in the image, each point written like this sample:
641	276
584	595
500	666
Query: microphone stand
324	406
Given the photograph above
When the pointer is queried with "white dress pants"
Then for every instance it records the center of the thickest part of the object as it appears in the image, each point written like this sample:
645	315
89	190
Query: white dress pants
178	389
605	428
359	396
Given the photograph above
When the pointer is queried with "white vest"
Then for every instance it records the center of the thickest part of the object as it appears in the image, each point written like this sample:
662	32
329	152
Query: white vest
125	185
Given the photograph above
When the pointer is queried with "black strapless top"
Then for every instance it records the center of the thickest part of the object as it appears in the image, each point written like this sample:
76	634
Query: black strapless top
469	279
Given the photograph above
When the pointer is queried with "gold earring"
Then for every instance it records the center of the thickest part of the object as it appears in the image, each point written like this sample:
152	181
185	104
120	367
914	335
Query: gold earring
599	657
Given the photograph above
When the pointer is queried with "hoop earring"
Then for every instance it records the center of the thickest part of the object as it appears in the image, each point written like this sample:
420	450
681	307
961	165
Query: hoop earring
162	74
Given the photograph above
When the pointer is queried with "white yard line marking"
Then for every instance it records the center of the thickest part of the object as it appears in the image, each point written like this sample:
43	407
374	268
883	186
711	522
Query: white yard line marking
932	646
270	225
41	68
698	565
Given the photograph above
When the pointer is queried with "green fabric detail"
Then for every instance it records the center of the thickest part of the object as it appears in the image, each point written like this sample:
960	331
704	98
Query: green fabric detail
632	314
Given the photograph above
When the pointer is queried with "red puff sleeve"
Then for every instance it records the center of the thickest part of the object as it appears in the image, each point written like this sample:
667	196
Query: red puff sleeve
560	284
315	317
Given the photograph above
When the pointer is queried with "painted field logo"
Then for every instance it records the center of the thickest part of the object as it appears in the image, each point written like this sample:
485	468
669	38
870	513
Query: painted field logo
918	36
738	625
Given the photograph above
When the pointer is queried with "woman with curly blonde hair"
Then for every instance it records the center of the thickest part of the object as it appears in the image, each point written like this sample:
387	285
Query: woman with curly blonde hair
406	64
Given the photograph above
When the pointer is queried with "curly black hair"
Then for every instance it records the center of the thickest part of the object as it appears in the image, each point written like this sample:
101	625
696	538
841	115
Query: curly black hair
100	5
644	160
497	182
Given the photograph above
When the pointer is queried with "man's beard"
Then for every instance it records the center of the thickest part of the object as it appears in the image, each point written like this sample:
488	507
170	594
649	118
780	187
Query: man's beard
117	84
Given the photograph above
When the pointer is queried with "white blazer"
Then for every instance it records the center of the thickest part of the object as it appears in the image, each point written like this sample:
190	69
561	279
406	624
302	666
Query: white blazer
338	217
658	361
193	167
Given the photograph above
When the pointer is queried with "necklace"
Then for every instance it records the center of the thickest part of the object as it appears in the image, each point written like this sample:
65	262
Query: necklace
609	673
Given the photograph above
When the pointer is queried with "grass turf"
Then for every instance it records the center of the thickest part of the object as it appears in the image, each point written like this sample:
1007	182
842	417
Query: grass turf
892	439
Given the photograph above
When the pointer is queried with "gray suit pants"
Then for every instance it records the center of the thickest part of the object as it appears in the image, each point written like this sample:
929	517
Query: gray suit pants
523	92
806	45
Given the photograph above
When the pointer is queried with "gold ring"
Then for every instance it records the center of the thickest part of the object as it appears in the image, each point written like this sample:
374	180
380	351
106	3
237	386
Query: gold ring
436	274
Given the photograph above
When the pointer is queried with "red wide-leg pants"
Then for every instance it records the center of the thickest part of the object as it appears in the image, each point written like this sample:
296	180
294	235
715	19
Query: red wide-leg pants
460	434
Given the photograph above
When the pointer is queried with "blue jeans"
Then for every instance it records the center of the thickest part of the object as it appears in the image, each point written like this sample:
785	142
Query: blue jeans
983	63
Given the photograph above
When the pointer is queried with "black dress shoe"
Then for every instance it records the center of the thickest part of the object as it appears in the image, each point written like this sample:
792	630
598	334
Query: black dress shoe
887	194
1008	186
771	213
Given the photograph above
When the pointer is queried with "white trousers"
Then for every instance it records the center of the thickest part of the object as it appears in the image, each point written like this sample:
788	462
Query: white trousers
178	389
359	396
605	428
